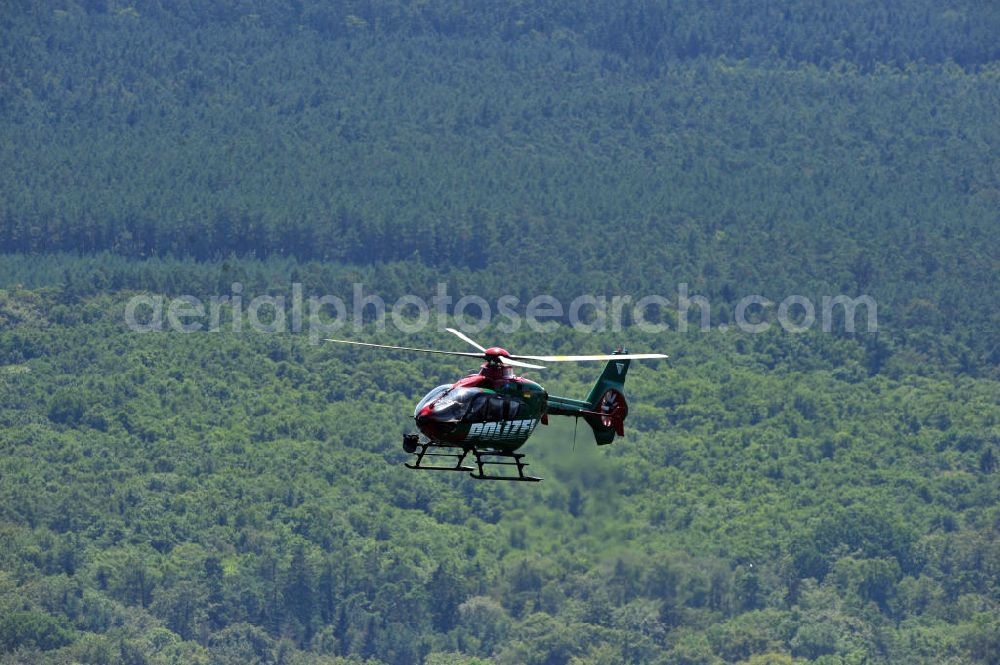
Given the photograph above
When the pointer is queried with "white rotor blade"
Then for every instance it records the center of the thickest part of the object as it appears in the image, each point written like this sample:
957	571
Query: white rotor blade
465	338
406	348
518	363
608	356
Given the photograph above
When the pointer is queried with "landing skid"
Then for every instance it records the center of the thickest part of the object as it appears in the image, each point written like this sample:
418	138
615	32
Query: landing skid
480	462
422	450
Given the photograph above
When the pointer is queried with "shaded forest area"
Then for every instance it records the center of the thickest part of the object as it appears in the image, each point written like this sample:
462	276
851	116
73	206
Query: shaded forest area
238	497
218	130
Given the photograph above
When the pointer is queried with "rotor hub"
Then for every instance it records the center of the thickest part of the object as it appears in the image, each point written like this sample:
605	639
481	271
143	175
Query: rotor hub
494	370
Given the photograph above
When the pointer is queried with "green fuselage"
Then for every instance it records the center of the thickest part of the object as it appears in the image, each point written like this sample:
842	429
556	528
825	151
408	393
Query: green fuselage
483	411
496	410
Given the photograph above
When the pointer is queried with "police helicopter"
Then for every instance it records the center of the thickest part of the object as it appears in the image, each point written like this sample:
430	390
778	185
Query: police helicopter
492	413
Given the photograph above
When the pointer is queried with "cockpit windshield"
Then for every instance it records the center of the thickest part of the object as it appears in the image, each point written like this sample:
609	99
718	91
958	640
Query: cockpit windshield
430	397
452	405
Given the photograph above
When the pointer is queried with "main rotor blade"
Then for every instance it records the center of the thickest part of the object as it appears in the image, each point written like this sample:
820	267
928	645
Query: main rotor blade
407	348
608	356
518	363
465	338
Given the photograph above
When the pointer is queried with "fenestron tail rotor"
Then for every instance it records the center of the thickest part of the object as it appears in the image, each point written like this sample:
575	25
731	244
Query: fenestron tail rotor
613	409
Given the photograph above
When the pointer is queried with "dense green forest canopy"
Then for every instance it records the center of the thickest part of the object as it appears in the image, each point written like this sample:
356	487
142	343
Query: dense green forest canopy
230	498
237	497
208	130
866	33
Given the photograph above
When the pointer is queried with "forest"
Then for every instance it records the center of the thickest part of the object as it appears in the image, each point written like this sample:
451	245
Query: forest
780	498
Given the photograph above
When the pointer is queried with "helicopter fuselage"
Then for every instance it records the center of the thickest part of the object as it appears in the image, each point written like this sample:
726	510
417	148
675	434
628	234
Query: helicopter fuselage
492	409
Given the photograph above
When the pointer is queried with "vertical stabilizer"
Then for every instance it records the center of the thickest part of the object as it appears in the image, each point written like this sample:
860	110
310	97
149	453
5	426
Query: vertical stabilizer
607	402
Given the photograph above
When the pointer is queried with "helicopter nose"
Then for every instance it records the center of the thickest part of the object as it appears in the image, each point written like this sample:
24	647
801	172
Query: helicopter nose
429	419
425	416
431	424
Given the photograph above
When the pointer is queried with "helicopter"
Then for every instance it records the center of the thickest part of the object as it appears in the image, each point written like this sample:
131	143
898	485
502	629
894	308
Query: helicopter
492	413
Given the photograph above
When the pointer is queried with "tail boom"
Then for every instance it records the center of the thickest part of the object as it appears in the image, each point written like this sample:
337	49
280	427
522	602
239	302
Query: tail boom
604	409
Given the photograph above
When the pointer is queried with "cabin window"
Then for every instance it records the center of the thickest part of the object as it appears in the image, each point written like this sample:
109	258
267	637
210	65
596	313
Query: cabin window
495	408
486	407
477	411
516	409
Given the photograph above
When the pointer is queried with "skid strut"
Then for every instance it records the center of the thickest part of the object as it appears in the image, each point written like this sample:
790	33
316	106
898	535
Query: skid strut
424	449
486	457
504	457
